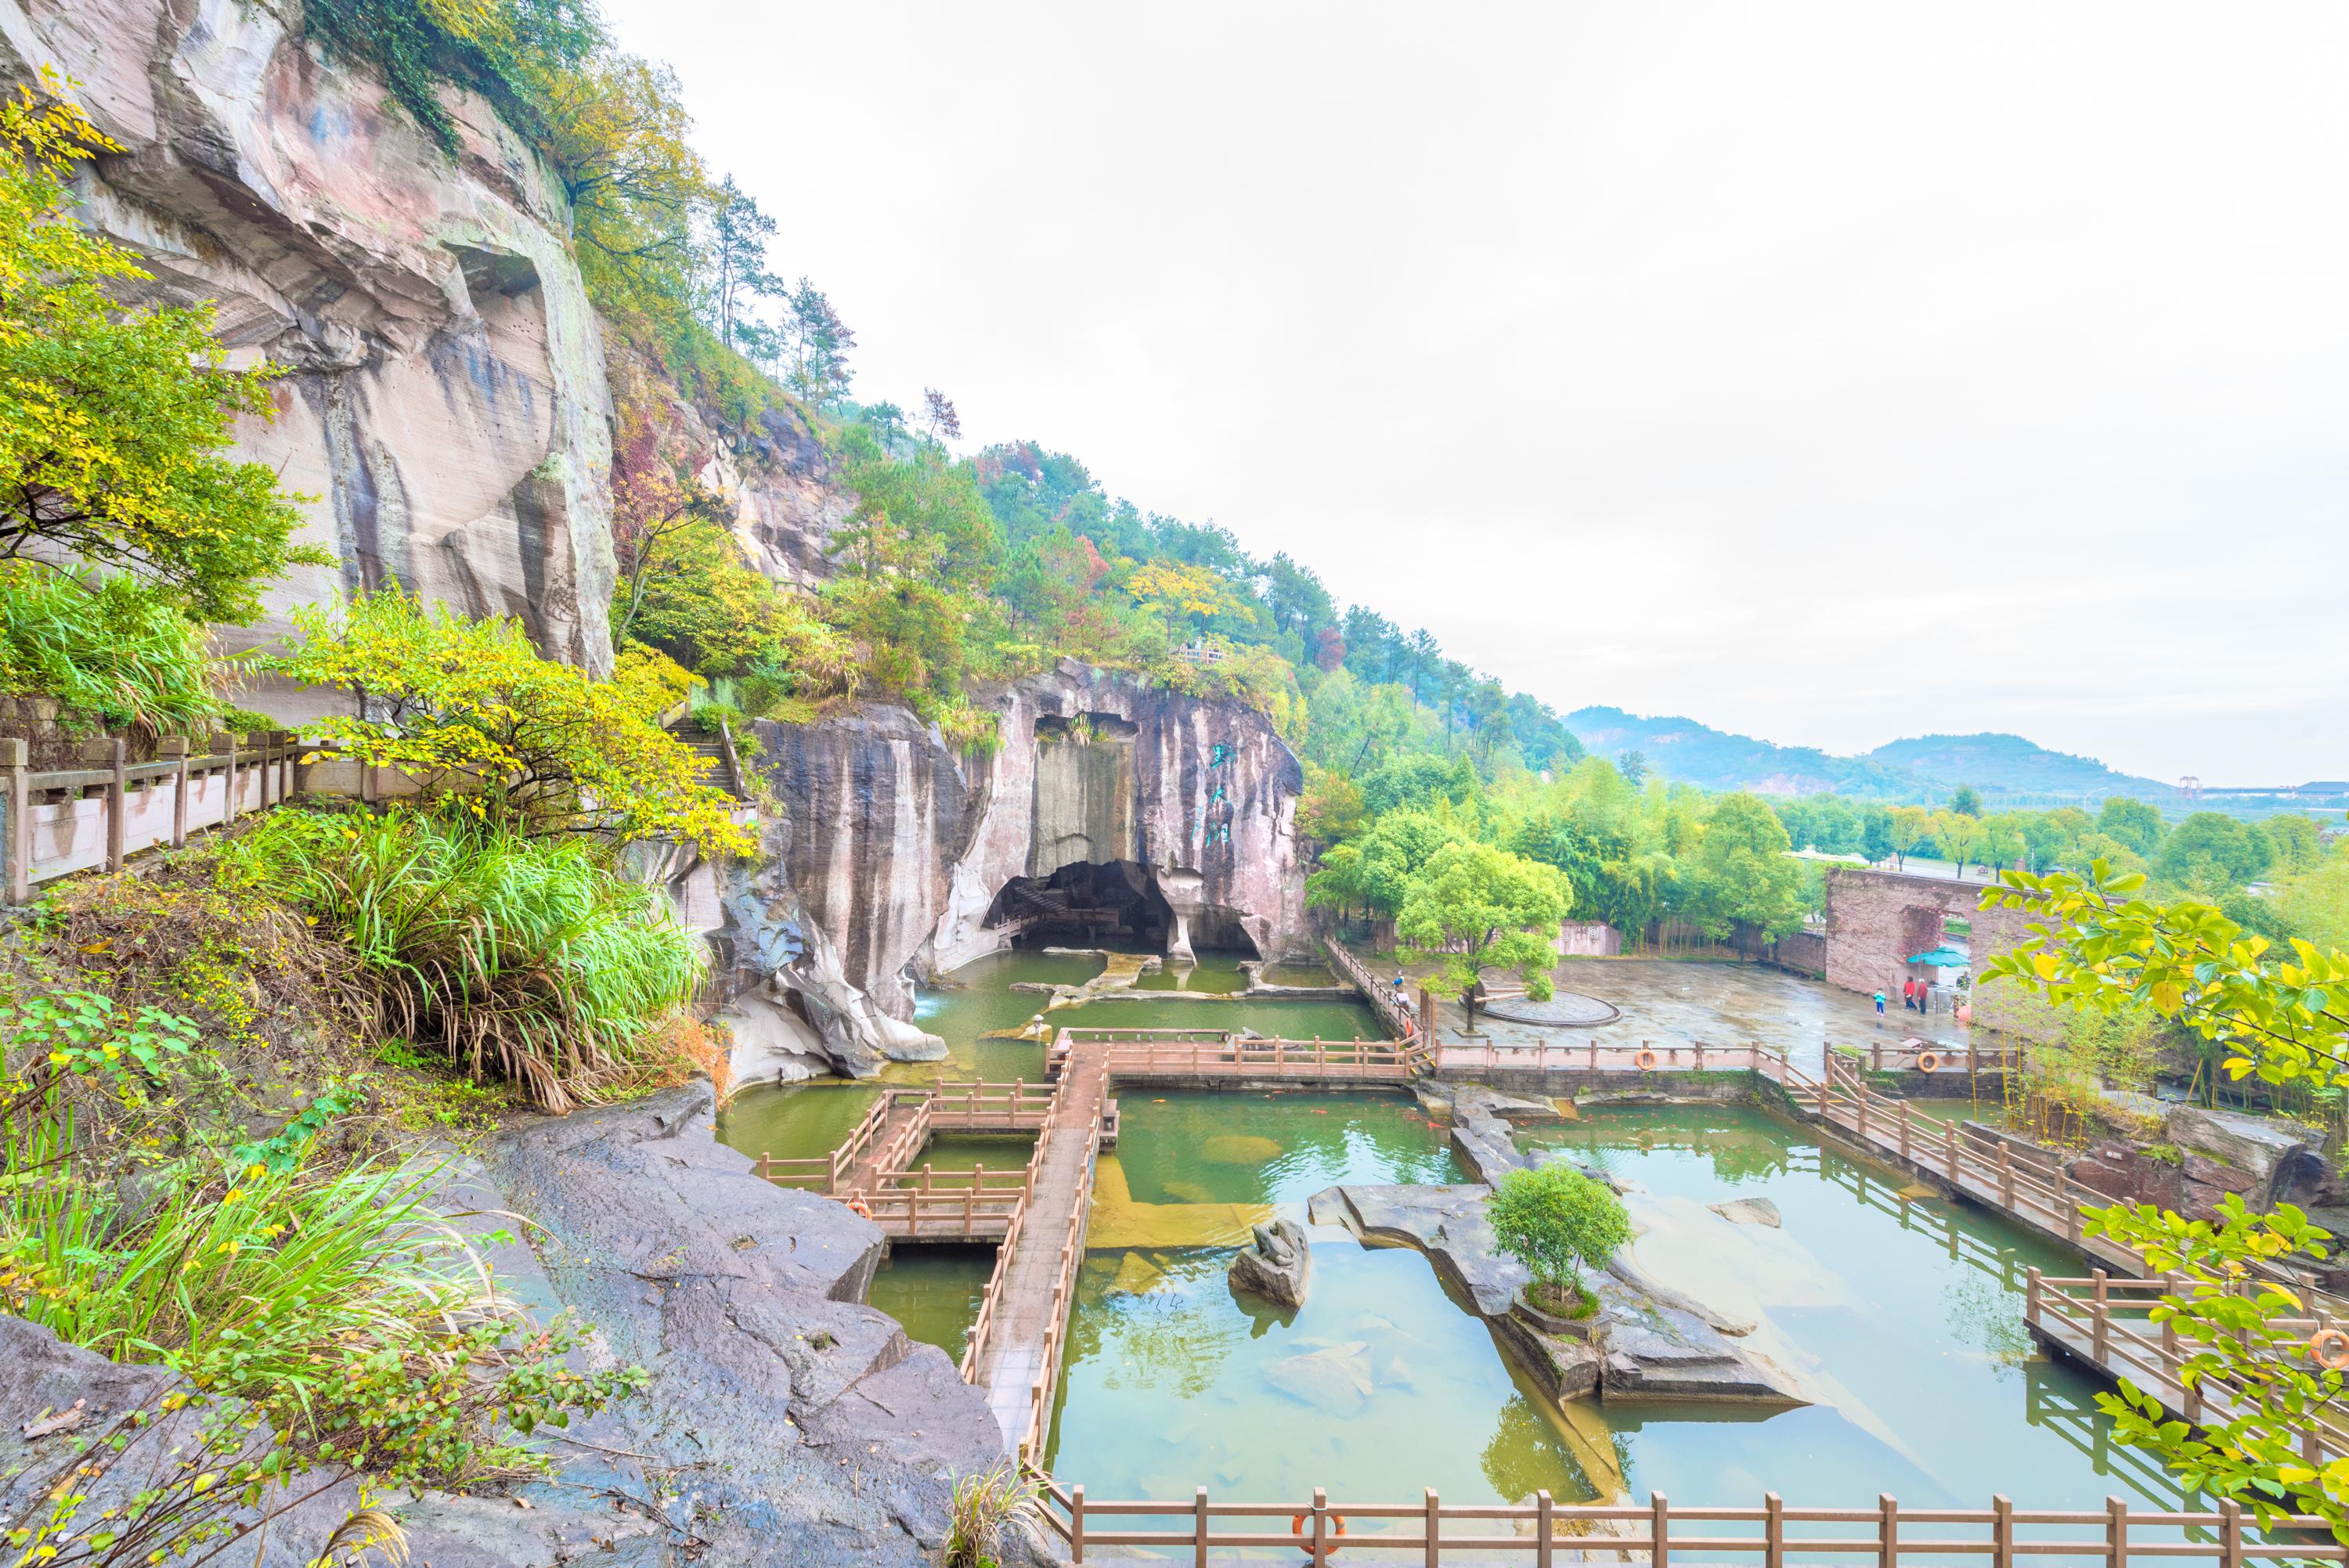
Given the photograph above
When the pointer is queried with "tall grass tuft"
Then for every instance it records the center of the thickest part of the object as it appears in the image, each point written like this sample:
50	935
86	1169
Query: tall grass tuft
530	959
987	1505
109	651
355	1319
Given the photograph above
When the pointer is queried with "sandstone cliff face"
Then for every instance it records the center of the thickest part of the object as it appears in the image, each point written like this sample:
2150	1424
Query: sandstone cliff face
891	850
445	402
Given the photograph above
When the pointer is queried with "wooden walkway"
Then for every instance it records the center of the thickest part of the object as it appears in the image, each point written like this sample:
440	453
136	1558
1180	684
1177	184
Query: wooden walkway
2105	1324
1015	1348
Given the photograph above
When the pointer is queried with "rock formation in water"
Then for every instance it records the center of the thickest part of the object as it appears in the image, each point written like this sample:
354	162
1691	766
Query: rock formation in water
892	852
1276	1266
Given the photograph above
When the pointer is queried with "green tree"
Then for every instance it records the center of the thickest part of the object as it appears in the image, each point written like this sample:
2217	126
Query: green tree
2210	851
1878	841
2134	823
469	709
1473	907
1742	877
1965	801
1557	1220
114	420
2296	840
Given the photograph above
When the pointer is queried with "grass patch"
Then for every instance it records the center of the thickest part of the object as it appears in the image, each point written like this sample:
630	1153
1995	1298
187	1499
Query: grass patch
527	959
114	654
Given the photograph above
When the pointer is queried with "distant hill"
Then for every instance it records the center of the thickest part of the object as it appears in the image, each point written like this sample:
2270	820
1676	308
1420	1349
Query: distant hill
1924	768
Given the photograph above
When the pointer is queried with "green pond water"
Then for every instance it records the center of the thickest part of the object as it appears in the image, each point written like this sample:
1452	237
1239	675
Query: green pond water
1906	1311
803	1119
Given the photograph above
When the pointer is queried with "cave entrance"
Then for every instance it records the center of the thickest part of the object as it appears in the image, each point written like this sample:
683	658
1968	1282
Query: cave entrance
1086	905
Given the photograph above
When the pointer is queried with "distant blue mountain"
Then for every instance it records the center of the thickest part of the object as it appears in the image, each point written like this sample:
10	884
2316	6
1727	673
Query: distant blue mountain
1926	768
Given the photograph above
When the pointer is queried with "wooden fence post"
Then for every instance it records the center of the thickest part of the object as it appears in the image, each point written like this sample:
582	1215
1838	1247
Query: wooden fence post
228	806
2006	1177
2030	1294
1434	1551
1659	1515
16	849
2116	1512
1321	1528
1774	1530
1904	1129
2001	1531
1544	1540
1199	1529
1077	1523
2099	1329
2230	1533
1887	1530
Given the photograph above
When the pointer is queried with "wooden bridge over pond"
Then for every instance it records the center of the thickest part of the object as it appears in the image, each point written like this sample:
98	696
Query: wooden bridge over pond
1036	1213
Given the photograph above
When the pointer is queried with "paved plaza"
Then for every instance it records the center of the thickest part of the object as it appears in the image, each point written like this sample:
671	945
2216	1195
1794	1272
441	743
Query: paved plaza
1704	1002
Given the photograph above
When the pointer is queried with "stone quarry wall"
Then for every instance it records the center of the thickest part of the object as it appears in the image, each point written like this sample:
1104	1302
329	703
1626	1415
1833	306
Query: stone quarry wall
448	402
444	404
889	849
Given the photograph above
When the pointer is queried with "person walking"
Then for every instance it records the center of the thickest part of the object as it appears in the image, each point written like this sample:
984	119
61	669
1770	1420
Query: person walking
1880	1004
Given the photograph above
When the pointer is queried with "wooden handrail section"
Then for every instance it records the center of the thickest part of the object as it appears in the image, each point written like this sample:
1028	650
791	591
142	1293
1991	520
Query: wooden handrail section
1774	1534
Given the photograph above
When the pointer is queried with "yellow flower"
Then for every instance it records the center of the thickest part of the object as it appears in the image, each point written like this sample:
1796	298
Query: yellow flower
235	1194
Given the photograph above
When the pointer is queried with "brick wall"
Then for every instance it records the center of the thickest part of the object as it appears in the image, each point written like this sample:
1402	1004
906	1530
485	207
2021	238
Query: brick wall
1875	919
1999	1006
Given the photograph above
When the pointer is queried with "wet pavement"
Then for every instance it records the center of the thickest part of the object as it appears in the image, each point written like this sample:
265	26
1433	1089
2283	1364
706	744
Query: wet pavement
1707	1002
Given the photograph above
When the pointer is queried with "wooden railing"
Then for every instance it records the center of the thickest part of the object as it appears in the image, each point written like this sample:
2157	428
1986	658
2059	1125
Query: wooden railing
824	1172
1397	1017
2108	1322
1653	1533
1015	1105
1214	1053
1064	1289
1592	1057
1991	1172
55	823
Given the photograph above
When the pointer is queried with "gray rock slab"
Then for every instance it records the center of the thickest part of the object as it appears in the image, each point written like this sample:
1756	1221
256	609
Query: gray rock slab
1749	1212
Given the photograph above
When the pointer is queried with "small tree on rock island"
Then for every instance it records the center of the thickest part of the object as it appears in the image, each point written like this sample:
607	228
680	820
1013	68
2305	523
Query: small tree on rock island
1473	907
1555	1220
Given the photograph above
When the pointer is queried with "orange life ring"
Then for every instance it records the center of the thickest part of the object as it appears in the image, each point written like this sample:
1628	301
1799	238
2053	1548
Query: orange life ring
1297	1524
1644	1060
859	1206
1927	1061
2329	1348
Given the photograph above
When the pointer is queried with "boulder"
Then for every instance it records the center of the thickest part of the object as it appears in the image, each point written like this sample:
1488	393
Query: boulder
785	1422
1486	1145
1476	1099
1276	1267
2261	1147
1748	1212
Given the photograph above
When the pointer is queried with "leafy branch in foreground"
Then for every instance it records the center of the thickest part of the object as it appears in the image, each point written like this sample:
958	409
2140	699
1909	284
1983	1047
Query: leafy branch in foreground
2241	1317
2100	947
2249	1346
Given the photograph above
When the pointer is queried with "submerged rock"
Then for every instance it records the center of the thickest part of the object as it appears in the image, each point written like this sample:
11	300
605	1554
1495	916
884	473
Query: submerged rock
1748	1212
1277	1266
1335	1381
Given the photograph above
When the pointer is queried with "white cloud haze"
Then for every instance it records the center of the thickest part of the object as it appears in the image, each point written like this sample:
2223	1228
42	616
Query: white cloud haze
1828	372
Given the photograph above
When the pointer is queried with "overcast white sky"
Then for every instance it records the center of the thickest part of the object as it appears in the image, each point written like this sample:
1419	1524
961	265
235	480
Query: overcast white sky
1826	372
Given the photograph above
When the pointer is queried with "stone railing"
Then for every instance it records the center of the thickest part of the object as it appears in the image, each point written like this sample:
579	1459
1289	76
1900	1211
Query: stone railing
93	818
